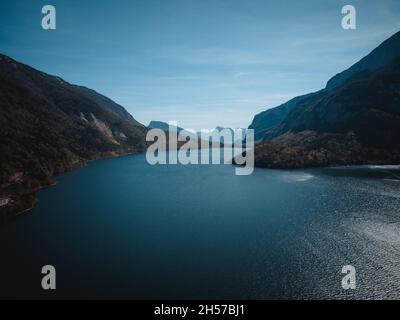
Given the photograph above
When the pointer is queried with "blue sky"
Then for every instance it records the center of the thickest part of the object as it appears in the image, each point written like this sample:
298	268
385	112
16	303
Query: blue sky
201	62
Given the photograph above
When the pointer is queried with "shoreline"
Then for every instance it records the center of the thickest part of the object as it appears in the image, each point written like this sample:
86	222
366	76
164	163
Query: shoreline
26	201
18	207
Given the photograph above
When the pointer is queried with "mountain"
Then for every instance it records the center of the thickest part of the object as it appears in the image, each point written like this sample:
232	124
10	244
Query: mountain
369	106
218	135
384	54
199	139
265	123
206	133
354	120
48	126
163	126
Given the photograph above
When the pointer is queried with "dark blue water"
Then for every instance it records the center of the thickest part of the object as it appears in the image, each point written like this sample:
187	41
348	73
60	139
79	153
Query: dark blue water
120	228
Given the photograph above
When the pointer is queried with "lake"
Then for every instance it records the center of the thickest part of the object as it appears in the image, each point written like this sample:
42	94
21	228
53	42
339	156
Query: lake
120	228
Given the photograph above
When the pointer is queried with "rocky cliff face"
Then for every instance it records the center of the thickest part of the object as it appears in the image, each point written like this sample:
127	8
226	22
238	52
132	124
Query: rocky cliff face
48	125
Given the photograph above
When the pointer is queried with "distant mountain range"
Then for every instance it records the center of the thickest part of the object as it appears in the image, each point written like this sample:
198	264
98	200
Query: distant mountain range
48	126
213	135
355	119
166	127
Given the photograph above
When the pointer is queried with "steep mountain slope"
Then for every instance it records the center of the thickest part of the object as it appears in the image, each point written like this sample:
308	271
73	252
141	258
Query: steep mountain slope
357	123
266	123
354	120
368	106
384	54
49	126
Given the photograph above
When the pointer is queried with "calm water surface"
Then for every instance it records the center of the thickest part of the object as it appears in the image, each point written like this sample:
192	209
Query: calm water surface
120	228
